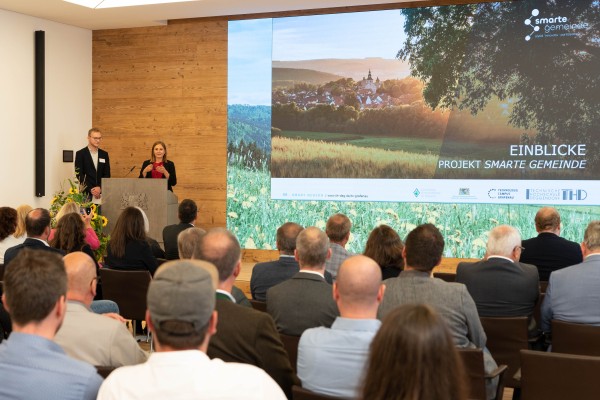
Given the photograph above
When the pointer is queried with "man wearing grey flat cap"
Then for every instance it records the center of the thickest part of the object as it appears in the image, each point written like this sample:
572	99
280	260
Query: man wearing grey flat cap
181	315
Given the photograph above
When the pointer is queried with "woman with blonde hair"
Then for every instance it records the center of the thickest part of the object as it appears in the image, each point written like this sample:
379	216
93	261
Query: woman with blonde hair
413	357
22	211
72	207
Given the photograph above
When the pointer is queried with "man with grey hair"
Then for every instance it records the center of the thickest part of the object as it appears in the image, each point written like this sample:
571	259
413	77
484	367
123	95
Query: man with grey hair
548	251
501	285
268	274
573	293
338	231
331	361
181	315
243	335
305	300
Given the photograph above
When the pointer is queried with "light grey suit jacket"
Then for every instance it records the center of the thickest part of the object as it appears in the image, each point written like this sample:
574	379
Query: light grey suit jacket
573	294
97	339
302	302
451	300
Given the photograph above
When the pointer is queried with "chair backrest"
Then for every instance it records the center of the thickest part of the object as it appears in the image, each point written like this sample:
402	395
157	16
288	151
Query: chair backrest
290	343
553	376
473	362
537	310
445	276
128	289
104	371
575	338
298	393
476	376
506	337
259	305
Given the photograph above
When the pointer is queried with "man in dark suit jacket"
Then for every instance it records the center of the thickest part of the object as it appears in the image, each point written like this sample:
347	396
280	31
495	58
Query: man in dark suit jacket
268	274
548	251
306	300
37	225
501	285
92	164
188	212
243	335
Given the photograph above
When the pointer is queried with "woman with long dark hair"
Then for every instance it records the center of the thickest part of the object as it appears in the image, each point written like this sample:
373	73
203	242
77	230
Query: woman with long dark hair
128	248
385	247
413	357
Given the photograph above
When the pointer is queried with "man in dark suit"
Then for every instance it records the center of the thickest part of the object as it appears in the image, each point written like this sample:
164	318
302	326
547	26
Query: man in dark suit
188	212
91	165
306	300
243	335
548	251
268	274
37	225
501	285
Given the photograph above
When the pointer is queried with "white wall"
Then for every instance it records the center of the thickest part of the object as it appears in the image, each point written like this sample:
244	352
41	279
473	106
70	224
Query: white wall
68	104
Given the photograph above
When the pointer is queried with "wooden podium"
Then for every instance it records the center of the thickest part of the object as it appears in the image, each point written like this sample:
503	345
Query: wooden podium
151	195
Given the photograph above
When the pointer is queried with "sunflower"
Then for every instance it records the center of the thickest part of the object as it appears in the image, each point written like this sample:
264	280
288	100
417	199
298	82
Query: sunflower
104	220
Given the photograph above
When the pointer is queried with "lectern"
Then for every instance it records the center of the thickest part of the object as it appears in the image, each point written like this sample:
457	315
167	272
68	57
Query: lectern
151	195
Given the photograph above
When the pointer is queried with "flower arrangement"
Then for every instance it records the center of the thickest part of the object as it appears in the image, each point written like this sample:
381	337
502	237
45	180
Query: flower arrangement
75	194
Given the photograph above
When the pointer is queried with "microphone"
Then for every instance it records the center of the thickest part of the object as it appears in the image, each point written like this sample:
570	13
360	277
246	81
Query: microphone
132	168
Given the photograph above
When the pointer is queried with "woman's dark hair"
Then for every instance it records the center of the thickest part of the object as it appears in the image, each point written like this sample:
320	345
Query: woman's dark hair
8	222
413	357
129	227
70	233
385	247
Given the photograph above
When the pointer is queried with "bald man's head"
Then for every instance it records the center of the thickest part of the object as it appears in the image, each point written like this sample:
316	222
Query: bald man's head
358	281
81	273
547	219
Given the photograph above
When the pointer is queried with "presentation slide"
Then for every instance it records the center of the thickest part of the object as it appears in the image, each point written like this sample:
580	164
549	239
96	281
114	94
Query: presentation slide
492	108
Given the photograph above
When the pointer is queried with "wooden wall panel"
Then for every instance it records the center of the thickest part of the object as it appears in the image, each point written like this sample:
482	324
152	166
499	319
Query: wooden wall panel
167	83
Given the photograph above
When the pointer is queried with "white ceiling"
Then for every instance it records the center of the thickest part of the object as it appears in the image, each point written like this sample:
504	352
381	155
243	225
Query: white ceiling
158	14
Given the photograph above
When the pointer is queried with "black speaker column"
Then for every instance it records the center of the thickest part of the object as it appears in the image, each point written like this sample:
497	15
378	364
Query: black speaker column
40	115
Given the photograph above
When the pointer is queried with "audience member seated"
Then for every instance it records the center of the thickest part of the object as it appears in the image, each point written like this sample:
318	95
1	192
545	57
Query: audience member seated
331	361
37	225
187	244
412	357
423	252
268	274
188	212
500	285
74	208
20	233
69	236
182	319
128	248
8	226
32	366
573	293
548	251
385	247
86	336
304	301
157	252
243	334
338	231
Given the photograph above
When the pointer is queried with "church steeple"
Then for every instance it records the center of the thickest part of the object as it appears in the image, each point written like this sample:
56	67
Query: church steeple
369	77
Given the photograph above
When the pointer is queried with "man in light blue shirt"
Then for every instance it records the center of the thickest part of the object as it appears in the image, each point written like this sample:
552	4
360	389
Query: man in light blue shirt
331	361
32	366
